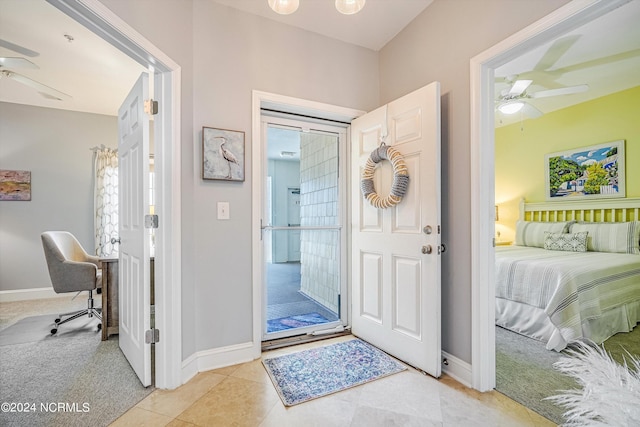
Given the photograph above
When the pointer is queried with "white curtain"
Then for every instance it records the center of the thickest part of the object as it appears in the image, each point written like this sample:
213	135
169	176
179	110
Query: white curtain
106	201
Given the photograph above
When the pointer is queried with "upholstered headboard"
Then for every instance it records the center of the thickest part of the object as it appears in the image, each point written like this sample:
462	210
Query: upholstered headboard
602	210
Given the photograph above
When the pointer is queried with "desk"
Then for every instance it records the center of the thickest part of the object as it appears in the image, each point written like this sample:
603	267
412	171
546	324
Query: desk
110	294
109	297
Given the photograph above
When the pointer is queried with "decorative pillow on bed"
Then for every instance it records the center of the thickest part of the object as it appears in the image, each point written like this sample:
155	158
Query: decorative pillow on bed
531	233
616	237
568	242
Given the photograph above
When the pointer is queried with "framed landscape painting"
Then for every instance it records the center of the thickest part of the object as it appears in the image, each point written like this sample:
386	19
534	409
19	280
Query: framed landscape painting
586	173
15	185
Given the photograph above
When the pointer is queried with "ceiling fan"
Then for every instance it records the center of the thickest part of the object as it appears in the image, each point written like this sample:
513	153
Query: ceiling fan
7	64
514	99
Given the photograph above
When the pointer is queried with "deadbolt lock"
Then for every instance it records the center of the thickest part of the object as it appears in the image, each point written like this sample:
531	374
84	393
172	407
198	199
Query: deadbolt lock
427	249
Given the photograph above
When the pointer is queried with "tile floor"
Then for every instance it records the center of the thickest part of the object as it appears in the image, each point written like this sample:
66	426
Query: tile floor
243	395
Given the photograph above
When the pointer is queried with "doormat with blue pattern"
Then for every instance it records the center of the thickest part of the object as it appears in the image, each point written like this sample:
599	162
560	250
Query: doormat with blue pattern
309	374
298	321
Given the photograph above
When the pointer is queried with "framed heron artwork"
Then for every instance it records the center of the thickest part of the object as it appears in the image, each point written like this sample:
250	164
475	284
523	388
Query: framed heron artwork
222	154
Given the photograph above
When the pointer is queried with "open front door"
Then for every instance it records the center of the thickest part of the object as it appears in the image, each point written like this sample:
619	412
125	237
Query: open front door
134	275
396	251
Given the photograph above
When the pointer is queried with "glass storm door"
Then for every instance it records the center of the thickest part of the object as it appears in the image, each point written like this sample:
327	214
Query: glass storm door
302	236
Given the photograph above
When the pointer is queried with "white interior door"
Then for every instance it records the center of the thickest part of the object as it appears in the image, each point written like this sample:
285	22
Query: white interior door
293	220
396	251
133	281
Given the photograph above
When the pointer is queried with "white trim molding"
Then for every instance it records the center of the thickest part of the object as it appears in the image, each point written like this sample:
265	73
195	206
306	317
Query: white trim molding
216	358
562	20
285	104
168	255
29	294
457	369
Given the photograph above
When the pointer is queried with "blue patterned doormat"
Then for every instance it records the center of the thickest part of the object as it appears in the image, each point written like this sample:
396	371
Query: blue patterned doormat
317	372
298	321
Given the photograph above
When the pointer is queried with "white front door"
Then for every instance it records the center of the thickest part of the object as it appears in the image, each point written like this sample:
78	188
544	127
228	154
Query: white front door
134	288
396	251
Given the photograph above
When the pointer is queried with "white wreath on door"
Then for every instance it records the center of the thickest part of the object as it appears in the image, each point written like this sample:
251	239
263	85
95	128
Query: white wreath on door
400	177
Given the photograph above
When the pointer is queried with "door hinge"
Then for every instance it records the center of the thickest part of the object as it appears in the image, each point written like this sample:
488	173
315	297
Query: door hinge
151	336
151	107
151	221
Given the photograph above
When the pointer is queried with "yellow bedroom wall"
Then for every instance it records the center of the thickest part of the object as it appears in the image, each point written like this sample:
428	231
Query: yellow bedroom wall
520	149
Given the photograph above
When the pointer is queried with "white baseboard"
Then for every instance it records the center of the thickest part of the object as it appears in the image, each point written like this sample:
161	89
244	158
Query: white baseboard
29	294
207	360
457	369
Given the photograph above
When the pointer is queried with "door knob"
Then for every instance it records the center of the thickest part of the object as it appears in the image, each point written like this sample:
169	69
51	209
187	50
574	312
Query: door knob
114	240
427	249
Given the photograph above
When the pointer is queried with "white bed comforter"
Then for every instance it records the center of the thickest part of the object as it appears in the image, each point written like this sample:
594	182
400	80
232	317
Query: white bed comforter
570	288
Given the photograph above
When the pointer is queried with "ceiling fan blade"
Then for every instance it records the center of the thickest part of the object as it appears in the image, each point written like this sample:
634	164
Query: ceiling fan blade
555	52
531	111
12	62
19	49
560	91
519	86
50	92
598	61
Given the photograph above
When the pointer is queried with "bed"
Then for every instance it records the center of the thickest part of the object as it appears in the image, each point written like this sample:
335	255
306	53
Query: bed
574	272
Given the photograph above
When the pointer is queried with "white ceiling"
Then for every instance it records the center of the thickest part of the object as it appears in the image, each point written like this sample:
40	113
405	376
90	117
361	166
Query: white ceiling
95	74
604	54
373	27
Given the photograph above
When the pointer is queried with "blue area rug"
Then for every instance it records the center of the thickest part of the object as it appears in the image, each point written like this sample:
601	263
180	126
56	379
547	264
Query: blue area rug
298	321
317	372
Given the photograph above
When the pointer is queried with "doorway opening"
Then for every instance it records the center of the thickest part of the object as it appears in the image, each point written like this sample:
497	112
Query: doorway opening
574	14
304	243
167	166
302	116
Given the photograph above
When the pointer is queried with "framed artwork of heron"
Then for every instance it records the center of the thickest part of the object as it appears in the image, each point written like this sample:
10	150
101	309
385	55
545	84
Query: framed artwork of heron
222	154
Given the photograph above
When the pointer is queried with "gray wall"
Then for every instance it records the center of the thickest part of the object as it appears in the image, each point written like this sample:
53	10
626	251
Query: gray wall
225	54
438	45
54	145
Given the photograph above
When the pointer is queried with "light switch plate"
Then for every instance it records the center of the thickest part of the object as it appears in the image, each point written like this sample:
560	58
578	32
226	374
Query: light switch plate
223	210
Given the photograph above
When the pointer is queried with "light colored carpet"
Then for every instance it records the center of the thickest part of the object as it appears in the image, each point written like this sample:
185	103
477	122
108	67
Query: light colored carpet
525	373
284	297
38	328
71	379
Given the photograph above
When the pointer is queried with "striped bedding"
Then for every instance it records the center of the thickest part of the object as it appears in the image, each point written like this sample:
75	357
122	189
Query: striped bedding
571	288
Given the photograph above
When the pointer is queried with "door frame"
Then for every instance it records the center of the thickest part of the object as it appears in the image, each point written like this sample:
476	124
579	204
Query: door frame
167	157
292	105
562	20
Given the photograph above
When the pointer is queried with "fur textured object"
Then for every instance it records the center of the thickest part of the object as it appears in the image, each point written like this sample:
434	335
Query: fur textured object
610	394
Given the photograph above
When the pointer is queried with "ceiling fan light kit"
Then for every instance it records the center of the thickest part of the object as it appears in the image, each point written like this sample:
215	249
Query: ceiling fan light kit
516	97
511	107
287	7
